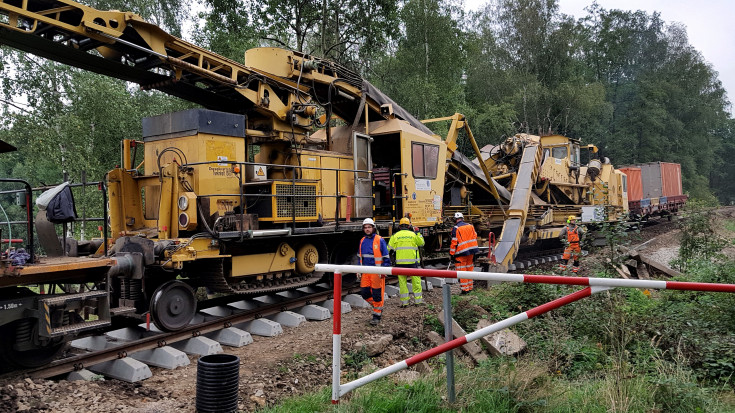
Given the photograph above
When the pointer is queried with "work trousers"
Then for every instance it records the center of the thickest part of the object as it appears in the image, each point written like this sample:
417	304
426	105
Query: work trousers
572	251
371	289
404	296
465	263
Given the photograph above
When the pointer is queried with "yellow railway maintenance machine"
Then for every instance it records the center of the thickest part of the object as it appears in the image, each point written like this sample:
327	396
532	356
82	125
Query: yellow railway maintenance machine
242	196
248	193
537	181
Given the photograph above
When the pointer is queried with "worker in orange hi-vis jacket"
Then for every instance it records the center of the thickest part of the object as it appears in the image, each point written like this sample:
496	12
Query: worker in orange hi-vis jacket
463	249
373	251
571	235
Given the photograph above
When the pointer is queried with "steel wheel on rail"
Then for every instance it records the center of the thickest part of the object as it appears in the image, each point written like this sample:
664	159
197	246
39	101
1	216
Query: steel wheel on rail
173	305
38	356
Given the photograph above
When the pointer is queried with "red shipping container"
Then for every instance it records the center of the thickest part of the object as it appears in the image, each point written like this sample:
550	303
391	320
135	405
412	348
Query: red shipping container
671	177
635	188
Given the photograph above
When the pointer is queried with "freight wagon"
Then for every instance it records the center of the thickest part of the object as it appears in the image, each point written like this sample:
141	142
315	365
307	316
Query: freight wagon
654	188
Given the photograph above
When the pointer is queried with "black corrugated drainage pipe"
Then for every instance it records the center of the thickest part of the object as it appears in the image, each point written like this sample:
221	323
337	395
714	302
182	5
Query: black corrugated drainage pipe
218	382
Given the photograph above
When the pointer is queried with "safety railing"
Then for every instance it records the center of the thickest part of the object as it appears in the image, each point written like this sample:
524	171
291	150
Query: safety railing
593	285
27	204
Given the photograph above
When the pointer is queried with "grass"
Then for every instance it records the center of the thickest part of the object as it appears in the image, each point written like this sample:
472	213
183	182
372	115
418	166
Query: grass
523	385
619	351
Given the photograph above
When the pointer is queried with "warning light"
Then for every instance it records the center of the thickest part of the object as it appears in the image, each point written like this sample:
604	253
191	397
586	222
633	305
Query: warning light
165	228
236	169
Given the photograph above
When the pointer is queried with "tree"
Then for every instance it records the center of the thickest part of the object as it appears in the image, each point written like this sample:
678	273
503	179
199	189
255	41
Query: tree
425	73
352	32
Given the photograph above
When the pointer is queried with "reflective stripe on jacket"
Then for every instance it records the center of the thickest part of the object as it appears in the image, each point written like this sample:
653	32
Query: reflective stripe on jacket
374	253
464	240
406	245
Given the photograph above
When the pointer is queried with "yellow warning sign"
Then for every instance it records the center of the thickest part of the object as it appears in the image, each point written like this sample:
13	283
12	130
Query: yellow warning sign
260	172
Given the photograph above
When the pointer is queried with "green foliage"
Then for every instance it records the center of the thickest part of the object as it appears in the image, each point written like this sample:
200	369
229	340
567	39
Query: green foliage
226	28
699	240
432	322
616	234
425	72
356	359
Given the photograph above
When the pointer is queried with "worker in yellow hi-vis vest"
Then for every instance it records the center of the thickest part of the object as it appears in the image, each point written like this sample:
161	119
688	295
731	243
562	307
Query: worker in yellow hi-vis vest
406	243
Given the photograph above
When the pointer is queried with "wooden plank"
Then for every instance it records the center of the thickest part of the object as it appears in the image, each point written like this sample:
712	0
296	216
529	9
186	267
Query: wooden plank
660	267
623	271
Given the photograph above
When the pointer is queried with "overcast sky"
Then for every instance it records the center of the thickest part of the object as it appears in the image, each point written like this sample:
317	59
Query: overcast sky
710	26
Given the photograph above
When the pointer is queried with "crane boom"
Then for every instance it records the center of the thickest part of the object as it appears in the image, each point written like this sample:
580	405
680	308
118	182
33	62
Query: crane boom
279	90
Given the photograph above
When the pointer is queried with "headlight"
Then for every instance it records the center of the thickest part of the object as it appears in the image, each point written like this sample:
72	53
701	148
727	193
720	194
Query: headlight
183	202
183	220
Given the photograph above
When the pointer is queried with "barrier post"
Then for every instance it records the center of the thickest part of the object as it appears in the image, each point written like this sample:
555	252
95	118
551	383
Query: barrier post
447	298
336	336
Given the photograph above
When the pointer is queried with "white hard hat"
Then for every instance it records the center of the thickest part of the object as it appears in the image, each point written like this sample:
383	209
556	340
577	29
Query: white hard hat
458	215
368	221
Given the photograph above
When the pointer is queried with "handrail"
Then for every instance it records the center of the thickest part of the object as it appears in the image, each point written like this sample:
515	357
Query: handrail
29	207
243	196
29	214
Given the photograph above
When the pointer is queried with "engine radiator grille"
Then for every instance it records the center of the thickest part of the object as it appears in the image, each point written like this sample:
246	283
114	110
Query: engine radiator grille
302	197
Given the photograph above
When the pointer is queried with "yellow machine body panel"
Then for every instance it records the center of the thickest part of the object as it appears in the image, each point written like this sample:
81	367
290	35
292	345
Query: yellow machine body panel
424	180
422	168
214	178
281	260
332	166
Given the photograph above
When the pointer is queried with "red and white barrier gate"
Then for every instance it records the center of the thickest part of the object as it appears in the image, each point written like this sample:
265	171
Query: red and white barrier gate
594	285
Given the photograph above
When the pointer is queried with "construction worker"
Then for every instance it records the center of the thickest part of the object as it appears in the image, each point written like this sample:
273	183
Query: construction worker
373	251
463	249
571	235
406	243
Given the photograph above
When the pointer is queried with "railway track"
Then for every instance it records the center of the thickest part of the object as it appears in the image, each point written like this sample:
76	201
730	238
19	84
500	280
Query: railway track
155	340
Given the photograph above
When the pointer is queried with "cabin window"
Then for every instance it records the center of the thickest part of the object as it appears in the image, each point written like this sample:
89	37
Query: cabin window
559	152
574	161
425	160
625	183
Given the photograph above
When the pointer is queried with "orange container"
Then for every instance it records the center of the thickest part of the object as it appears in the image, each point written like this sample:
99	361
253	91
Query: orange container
635	189
671	179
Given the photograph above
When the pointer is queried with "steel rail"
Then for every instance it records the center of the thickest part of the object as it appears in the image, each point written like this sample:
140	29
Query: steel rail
81	361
